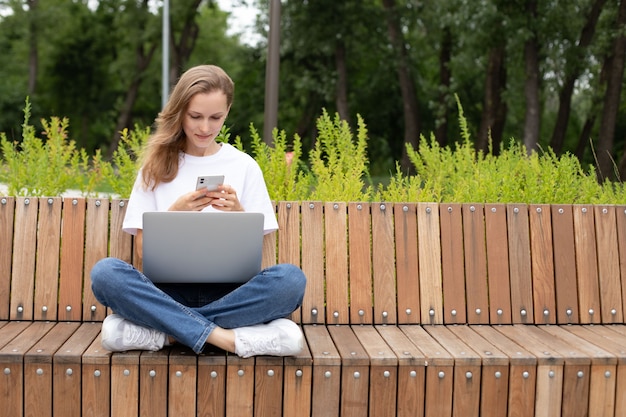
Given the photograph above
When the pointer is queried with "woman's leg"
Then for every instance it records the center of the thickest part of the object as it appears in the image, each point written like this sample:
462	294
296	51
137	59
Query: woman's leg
131	295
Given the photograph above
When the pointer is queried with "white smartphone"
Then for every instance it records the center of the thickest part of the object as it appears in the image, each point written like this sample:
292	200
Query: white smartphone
210	182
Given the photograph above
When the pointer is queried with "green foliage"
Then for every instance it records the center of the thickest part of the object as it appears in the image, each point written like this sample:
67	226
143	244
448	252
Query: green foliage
338	162
120	175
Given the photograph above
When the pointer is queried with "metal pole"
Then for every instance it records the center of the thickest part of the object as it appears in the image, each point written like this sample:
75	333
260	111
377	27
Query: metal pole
271	73
166	53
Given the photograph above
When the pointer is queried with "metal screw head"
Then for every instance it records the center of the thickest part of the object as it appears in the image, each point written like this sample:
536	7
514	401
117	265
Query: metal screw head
97	373
152	373
179	374
431	312
386	374
39	371
580	374
240	372
270	372
69	372
213	374
299	373
327	374
498	374
336	314
441	374
468	375
314	312
453	313
525	375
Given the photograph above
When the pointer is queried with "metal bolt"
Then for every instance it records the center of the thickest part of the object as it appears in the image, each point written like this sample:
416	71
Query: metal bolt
336	314
213	374
385	314
431	312
472	209
498	374
299	373
386	374
97	373
27	201
383	207
327	374
525	375
39	371
122	204
523	313
44	308
7	371
546	312
311	205
478	311
240	372
288	205
453	312
561	211
468	375
126	372
442	374
607	374
270	372
569	311
50	201
336	206
516	210
405	209
361	313
93	308
152	373
613	312
69	372
538	209
499	312
314	312
20	309
74	202
179	374
98	203
580	374
408	311
68	308
591	311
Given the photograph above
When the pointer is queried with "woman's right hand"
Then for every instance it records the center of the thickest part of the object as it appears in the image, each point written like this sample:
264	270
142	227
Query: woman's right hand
192	201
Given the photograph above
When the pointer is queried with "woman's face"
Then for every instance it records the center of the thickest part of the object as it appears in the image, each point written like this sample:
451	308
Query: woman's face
203	121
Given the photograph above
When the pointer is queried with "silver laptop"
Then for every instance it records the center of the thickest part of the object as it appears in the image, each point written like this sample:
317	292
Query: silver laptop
200	247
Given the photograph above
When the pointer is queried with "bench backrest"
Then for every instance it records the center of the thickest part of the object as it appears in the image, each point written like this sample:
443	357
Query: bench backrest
394	263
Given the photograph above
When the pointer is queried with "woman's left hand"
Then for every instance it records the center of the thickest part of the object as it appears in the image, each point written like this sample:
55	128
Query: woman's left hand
225	198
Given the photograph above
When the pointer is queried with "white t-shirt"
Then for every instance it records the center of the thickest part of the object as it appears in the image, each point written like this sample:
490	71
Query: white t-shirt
240	171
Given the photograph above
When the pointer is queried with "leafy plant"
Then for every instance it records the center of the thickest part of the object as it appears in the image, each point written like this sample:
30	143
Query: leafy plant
120	175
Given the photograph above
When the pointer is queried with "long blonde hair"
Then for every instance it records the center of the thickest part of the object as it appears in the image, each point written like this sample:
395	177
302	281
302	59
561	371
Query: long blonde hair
161	155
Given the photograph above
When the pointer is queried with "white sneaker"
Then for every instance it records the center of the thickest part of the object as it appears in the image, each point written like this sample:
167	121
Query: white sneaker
280	337
119	335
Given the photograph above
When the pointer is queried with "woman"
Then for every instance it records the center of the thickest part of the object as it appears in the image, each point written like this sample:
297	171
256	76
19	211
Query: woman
247	319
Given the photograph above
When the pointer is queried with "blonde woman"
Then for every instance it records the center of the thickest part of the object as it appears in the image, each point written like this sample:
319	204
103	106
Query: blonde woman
246	319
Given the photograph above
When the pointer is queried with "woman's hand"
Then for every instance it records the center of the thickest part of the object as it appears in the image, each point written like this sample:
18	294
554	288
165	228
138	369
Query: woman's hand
192	201
225	199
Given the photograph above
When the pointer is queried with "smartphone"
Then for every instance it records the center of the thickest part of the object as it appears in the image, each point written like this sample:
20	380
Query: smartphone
210	182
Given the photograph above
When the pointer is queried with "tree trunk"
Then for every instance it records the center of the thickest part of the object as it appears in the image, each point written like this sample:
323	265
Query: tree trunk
33	50
181	49
342	80
494	109
407	86
615	73
445	77
532	122
573	70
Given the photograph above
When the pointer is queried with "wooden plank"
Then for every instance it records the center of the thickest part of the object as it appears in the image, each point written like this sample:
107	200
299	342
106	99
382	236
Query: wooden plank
120	242
24	250
608	264
354	372
475	264
429	250
337	299
544	290
48	254
7	212
153	383
211	388
183	377
288	240
467	372
407	269
411	372
326	372
96	375
67	367
452	263
313	305
620	214
22	338
495	372
564	265
383	371
360	262
297	384
38	370
125	384
239	386
520	264
72	256
96	248
383	251
498	264
439	372
586	264
268	386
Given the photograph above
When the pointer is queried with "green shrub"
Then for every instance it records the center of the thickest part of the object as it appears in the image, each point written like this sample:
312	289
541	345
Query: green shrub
120	175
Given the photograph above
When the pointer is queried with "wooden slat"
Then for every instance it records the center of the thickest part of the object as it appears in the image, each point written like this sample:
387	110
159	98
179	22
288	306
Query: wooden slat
268	387
429	250
125	383
72	256
452	263
297	384
48	254
354	372
520	264
564	264
96	248
620	214
608	265
360	262
498	264
239	386
38	370
120	242
96	375
183	376
337	300
407	269
24	250
326	372
383	371
467	371
475	264
586	264
383	265
67	364
288	240
411	372
153	383
211	383
544	290
7	211
313	305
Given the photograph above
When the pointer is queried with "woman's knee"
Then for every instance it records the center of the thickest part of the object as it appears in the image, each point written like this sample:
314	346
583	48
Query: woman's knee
293	279
103	274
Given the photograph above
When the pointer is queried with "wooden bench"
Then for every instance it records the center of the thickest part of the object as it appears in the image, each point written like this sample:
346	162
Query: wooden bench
410	310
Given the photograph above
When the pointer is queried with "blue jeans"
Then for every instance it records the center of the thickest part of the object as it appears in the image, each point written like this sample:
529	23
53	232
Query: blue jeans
189	313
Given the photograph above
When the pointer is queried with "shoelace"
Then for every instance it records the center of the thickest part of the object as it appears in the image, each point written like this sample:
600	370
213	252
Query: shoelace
140	336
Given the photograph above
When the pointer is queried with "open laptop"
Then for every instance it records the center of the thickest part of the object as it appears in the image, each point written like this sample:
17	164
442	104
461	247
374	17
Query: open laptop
202	247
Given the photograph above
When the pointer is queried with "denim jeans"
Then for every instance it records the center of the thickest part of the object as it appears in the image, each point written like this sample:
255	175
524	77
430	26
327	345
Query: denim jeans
189	313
